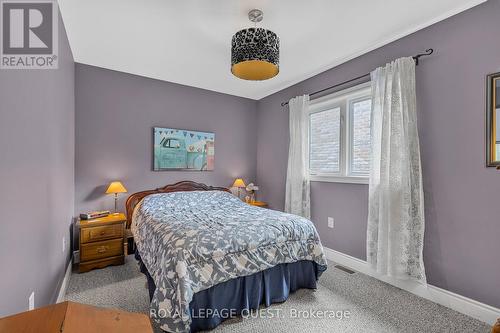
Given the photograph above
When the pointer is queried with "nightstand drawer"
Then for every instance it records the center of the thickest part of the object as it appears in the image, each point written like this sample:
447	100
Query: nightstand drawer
98	250
93	234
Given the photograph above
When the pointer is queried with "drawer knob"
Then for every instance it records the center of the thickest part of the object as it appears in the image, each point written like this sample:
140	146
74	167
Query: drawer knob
101	249
103	233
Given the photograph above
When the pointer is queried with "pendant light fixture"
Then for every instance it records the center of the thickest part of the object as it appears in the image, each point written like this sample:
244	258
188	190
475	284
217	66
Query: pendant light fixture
255	51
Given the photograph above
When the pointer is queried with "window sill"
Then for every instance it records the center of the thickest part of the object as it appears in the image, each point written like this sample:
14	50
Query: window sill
339	179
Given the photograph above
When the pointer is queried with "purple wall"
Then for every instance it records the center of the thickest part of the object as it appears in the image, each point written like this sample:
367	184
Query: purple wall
462	211
115	114
37	122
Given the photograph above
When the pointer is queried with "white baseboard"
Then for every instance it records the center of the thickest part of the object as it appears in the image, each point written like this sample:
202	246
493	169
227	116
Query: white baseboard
483	312
64	284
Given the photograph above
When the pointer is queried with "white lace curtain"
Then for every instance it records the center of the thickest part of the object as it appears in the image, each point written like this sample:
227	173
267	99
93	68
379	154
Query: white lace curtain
297	199
396	202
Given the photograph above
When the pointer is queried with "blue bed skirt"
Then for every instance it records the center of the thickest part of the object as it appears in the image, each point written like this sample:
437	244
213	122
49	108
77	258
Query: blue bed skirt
245	293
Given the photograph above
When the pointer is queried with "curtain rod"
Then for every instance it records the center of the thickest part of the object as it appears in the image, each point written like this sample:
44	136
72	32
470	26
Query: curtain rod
415	57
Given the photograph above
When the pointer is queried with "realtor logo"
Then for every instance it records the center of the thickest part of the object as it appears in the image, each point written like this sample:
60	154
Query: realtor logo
28	34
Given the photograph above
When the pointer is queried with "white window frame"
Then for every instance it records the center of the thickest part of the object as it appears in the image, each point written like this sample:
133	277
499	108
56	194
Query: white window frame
342	99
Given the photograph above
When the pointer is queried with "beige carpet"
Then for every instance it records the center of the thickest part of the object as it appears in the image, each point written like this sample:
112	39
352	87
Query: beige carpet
373	306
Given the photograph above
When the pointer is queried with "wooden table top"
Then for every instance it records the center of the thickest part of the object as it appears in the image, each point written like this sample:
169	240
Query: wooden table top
70	317
258	203
110	219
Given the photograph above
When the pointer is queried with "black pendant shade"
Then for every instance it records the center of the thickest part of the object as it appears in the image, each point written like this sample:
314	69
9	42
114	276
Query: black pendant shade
255	54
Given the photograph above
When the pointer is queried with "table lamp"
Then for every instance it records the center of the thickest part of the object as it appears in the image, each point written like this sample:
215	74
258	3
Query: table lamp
115	188
239	183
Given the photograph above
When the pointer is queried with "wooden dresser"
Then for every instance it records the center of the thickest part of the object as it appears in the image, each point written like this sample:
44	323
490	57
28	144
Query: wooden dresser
102	242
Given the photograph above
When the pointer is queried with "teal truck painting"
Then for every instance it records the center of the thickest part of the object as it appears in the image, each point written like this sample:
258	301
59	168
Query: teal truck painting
177	149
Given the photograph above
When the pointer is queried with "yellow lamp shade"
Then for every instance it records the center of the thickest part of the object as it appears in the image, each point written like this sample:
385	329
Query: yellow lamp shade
239	183
116	187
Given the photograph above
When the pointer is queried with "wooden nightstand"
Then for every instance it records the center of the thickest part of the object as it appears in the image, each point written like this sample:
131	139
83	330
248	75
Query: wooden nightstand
258	203
102	242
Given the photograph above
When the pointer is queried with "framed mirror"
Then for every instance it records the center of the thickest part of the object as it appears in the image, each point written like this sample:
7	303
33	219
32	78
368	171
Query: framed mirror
493	120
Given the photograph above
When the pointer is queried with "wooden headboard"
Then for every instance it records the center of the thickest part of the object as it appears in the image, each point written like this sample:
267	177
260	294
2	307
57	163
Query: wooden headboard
185	185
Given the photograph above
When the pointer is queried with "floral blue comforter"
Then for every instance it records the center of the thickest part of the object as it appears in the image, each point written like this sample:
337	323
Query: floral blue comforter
191	241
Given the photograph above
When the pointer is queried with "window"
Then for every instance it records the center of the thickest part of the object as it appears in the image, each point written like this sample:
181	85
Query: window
339	136
170	143
324	146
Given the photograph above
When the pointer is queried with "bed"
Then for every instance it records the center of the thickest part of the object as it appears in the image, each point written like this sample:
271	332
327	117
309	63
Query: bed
208	256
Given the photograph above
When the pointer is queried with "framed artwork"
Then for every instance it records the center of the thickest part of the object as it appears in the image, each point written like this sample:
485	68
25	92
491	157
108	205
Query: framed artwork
492	120
178	149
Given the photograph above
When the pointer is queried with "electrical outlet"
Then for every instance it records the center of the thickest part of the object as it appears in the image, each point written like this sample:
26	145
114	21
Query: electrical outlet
63	244
331	222
76	256
31	301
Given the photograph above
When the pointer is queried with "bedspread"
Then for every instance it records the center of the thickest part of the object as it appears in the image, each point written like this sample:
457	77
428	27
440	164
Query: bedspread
191	241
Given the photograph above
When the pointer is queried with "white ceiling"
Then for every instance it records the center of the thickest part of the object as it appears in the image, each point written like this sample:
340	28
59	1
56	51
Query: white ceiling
188	41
